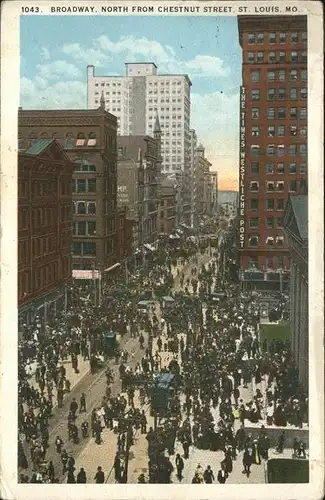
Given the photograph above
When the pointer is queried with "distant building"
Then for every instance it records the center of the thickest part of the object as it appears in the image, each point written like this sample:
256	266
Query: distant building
167	207
214	189
193	146
202	183
138	184
295	225
136	98
44	230
273	138
228	197
228	202
89	139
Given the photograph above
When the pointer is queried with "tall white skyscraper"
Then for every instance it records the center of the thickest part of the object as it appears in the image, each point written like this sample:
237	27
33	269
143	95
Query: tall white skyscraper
137	97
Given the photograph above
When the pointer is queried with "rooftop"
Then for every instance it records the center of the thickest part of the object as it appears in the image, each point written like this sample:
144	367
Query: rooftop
38	147
299	205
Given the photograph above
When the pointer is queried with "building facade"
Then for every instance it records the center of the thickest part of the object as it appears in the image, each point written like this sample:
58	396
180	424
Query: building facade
296	230
89	139
214	195
273	139
138	184
137	97
124	235
167	207
202	180
193	146
44	230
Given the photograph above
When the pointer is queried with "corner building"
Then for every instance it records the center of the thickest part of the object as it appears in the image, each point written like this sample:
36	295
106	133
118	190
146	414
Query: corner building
88	137
273	142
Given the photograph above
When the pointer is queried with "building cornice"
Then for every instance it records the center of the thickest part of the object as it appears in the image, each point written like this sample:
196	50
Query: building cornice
59	118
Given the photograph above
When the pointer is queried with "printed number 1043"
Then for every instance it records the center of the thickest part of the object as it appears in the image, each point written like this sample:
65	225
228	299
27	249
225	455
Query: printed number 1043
27	10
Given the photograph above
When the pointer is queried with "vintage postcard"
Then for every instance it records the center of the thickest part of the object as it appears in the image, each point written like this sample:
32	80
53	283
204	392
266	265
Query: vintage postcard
162	250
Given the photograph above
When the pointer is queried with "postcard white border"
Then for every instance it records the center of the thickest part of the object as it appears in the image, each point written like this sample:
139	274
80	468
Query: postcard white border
8	308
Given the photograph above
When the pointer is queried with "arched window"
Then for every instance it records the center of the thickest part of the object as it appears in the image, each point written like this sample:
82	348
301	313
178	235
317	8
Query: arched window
91	139
82	164
32	138
81	139
44	135
68	141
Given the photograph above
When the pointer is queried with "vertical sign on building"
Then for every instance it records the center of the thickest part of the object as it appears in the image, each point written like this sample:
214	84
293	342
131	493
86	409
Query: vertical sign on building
242	166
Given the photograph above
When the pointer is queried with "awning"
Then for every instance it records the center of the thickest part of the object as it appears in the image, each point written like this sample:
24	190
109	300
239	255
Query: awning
149	247
82	274
114	266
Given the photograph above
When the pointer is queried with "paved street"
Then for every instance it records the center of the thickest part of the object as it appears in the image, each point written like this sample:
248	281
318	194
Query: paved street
90	455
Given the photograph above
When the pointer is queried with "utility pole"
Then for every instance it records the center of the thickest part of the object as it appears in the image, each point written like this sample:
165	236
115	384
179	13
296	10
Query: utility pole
65	297
94	283
99	289
126	272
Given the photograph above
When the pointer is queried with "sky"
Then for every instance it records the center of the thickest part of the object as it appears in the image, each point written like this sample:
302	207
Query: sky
55	53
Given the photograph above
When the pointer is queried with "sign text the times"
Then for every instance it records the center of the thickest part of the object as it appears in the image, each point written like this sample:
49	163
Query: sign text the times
242	167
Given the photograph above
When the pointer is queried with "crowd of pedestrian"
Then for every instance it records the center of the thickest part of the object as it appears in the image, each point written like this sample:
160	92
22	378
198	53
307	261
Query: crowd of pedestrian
211	348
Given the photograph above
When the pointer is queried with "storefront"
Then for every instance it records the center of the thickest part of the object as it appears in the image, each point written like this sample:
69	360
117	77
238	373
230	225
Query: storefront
44	308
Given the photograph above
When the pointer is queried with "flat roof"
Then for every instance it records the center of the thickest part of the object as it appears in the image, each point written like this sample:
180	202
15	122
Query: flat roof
153	64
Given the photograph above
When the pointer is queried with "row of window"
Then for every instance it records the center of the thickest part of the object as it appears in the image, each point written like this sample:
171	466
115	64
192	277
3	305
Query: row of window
276	262
271	186
280	93
279	168
172	108
278	37
83	186
102	84
42	277
280	75
84	249
269	203
162	83
163	100
279	150
167	125
294	113
167	117
84	208
84	228
270	241
280	131
273	57
270	222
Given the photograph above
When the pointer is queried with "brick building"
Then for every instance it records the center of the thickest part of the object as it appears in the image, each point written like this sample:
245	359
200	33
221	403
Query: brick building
273	140
138	184
124	230
167	207
44	230
89	139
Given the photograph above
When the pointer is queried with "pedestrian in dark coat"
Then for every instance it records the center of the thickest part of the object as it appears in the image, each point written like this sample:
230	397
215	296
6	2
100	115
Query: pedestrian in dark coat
81	476
99	476
222	475
247	461
117	469
179	462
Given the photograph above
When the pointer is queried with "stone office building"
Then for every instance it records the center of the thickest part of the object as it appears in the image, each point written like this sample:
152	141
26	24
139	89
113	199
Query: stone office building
295	225
89	139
